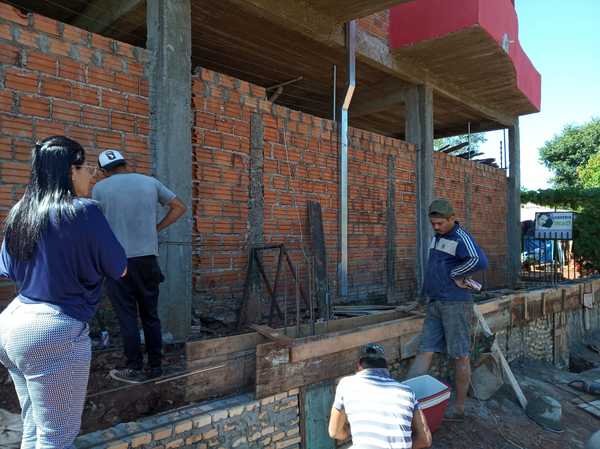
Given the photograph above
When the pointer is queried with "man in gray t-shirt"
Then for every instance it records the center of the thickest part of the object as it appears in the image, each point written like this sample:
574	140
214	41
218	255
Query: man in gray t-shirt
130	203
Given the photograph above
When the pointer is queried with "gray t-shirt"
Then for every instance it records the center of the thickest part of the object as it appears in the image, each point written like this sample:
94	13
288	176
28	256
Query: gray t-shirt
130	203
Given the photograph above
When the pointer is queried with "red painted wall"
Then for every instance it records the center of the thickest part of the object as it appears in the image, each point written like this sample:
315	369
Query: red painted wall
422	20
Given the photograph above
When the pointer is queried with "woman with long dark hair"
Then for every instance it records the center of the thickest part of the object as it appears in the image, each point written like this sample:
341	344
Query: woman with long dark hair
57	248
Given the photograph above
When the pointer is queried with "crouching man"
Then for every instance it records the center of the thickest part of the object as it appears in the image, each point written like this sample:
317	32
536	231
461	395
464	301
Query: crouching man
376	410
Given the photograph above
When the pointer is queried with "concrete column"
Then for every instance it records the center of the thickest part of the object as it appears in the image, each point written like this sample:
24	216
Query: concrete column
170	69
513	221
256	205
390	231
419	131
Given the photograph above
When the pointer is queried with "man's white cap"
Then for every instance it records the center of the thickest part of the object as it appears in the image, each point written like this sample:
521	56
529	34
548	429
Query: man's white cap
110	158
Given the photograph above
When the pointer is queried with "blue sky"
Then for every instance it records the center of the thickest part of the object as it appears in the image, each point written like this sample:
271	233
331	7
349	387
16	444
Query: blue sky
562	38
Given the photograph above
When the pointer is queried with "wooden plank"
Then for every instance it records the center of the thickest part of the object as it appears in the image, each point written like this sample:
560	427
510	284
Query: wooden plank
201	349
234	373
271	334
505	366
275	373
331	343
317	238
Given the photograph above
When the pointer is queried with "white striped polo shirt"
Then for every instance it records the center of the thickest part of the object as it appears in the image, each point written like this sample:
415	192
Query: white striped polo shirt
379	409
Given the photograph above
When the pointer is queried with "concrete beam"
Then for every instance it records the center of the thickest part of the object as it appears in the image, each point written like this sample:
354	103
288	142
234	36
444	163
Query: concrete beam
344	10
306	19
419	131
376	53
99	15
513	221
170	69
378	98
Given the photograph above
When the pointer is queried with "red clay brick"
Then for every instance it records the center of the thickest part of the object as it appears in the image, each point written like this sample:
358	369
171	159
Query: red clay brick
70	69
6	102
127	83
34	105
136	143
21	81
122	122
101	77
85	136
27	38
15	172
60	48
108	140
87	95
5	32
23	150
16	126
54	87
66	111
44	129
96	117
45	25
144	87
112	62
142	126
74	34
113	100
42	63
12	14
137	105
102	43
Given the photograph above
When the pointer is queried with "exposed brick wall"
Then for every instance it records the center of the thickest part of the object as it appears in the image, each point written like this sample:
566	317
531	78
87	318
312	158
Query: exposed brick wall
299	164
479	194
58	79
377	24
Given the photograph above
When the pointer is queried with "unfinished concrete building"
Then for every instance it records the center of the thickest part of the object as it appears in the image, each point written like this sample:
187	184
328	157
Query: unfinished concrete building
249	110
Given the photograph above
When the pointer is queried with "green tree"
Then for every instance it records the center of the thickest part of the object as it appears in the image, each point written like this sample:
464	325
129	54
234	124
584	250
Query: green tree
589	174
476	141
571	149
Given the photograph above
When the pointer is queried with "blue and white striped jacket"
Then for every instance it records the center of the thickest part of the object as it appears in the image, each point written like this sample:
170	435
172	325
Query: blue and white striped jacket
453	255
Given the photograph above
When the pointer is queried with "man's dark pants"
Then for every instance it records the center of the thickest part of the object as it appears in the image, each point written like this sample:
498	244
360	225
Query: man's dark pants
138	290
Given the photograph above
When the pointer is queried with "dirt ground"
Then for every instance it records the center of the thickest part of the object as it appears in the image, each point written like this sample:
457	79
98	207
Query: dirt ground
500	423
103	408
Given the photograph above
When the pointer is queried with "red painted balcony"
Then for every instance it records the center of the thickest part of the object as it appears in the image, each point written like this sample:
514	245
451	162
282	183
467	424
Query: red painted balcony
471	44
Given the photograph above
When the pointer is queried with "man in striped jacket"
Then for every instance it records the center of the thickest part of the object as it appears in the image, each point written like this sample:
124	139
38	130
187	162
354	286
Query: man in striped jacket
453	258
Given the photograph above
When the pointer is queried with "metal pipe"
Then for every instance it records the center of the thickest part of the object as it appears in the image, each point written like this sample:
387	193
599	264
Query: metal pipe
350	86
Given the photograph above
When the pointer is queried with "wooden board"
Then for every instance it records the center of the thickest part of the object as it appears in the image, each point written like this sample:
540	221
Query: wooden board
508	374
317	238
271	334
234	373
331	343
201	349
275	373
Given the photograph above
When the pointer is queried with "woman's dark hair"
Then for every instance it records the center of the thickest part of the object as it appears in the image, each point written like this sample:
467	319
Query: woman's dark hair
50	192
369	362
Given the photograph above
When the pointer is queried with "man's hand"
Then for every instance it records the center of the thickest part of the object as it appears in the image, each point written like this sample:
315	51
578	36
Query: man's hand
176	210
460	283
